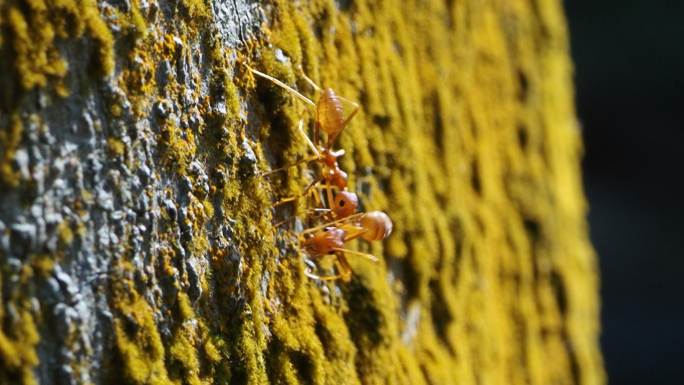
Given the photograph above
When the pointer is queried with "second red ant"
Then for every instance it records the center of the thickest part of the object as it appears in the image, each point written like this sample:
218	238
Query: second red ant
329	239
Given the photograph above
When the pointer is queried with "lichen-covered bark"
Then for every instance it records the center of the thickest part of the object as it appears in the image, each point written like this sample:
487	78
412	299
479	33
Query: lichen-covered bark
137	238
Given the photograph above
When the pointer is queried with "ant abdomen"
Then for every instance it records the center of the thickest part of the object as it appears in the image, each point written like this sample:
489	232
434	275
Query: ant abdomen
377	224
330	113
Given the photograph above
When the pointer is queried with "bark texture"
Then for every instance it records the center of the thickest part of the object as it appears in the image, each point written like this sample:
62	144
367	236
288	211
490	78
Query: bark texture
137	239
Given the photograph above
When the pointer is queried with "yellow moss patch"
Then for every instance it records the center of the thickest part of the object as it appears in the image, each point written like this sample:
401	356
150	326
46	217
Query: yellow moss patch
178	146
18	356
489	265
184	353
116	147
10	139
197	9
212	352
439	137
137	339
34	27
42	265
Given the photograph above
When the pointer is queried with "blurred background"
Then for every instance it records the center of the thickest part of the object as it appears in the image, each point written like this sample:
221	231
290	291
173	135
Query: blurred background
629	71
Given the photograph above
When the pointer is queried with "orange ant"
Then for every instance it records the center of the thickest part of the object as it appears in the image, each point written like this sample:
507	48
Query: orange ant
329	117
331	237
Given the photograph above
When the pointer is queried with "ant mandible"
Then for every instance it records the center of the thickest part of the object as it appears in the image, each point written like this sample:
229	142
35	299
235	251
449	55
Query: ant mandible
329	117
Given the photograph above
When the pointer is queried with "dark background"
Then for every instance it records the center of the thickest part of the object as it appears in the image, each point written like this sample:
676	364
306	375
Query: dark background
629	71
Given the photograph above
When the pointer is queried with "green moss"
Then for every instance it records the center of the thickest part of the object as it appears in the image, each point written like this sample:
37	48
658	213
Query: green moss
286	37
35	59
232	101
424	74
185	308
208	208
99	32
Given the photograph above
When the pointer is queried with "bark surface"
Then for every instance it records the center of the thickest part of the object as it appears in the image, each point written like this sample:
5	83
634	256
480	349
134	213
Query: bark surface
137	239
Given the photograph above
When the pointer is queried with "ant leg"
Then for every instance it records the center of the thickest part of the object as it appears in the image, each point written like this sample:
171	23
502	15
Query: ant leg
323	277
308	271
308	141
309	212
275	170
308	80
352	232
345	270
310	264
284	221
329	195
285	200
294	198
305	160
313	194
359	254
347	219
284	86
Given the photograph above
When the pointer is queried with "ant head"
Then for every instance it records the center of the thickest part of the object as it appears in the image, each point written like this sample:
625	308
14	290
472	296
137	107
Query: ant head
345	204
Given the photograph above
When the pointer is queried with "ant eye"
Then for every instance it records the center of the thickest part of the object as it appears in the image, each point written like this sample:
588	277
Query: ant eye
341	203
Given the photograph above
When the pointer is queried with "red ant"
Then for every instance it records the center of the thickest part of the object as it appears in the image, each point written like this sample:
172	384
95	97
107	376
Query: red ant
329	118
331	237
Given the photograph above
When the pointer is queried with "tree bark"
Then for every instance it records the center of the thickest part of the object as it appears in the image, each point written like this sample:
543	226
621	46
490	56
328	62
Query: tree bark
138	242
